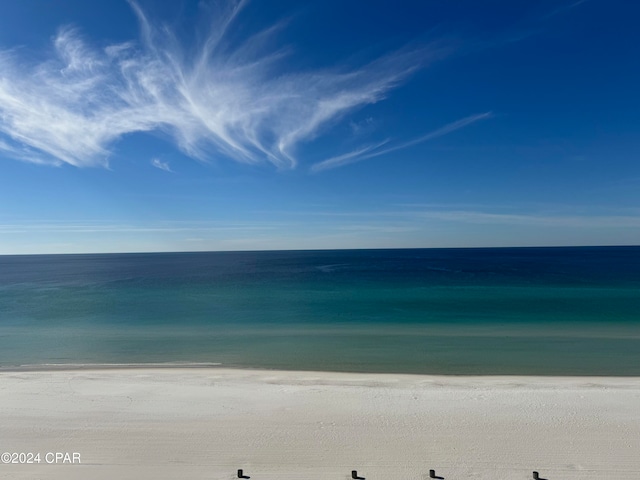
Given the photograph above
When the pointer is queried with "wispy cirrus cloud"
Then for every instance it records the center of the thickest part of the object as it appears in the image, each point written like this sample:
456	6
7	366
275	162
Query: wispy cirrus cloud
375	150
156	162
532	220
224	99
562	8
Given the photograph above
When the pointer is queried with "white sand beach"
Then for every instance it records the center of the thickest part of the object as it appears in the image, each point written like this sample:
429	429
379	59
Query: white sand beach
205	423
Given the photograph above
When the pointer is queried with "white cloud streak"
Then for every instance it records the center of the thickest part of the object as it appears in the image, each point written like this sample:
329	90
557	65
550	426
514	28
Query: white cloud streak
349	157
224	99
372	151
532	220
156	162
563	8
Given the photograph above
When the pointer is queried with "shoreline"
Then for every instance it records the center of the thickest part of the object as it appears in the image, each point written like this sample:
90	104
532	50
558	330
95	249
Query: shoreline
207	422
220	367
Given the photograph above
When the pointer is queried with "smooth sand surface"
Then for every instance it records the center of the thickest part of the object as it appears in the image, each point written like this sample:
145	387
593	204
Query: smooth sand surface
183	423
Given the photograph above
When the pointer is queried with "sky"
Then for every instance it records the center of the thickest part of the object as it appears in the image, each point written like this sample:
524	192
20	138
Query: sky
147	126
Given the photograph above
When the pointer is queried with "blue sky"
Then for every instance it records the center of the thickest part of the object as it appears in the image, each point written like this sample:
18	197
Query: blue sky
178	126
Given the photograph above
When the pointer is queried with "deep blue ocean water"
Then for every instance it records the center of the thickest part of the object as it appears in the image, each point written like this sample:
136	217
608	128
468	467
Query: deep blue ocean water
545	311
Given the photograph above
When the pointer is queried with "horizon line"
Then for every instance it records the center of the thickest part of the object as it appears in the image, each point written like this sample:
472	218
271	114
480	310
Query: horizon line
164	252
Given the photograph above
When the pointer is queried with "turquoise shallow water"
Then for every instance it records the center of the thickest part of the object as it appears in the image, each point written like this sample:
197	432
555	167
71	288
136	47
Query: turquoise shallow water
544	311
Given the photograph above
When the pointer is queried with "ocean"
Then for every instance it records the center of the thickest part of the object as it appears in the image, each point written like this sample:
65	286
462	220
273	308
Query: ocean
489	311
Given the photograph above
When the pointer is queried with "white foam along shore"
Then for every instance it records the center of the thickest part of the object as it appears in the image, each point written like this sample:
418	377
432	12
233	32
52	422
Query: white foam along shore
206	423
